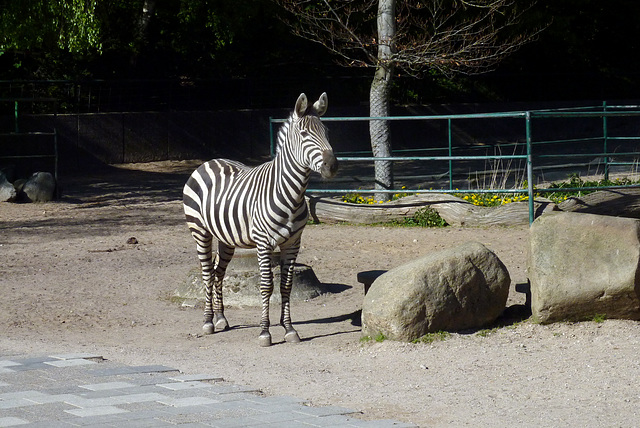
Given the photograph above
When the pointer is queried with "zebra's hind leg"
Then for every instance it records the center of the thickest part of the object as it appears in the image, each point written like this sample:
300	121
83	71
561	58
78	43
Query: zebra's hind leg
287	262
223	257
266	289
205	256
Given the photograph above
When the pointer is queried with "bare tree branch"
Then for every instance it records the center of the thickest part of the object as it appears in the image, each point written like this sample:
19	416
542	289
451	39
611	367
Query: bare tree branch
452	36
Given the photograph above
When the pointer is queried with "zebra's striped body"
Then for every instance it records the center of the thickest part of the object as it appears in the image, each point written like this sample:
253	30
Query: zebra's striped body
261	207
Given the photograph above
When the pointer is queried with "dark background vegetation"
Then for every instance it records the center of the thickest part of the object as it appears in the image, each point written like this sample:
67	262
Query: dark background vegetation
223	54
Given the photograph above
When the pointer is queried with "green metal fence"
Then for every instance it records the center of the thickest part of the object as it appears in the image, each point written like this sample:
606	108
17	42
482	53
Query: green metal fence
16	136
544	151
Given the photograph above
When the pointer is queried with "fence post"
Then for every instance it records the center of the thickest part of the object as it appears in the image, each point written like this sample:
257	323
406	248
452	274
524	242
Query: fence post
15	116
529	165
450	154
604	139
55	161
271	148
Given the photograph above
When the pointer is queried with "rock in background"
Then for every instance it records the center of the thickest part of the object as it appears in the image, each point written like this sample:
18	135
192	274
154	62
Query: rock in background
40	187
241	285
583	265
7	191
456	289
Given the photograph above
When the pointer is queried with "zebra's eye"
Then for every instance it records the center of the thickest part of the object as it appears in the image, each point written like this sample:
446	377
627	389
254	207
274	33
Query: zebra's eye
304	134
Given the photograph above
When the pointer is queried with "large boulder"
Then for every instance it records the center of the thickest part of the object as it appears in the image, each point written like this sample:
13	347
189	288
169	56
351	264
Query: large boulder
7	191
456	289
583	265
40	187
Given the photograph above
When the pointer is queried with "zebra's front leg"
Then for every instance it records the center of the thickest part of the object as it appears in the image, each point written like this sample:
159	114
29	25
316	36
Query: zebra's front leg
266	289
287	264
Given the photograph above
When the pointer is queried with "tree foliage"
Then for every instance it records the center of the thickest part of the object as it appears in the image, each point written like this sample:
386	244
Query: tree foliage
122	38
36	25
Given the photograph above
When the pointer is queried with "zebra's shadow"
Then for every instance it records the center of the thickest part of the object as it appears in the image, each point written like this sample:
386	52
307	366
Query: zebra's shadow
354	317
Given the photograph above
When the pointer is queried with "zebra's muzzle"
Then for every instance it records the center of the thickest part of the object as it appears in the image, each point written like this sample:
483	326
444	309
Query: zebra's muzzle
329	164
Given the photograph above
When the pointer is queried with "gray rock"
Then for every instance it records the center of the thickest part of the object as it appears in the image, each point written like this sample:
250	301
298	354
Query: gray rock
7	191
583	265
241	285
19	184
40	187
456	289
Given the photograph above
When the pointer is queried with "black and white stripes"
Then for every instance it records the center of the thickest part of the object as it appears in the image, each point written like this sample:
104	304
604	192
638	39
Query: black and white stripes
262	207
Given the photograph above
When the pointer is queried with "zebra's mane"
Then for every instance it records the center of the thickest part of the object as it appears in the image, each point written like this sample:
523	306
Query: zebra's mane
283	132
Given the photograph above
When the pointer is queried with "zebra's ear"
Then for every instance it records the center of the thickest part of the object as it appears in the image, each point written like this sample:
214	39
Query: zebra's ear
301	105
321	105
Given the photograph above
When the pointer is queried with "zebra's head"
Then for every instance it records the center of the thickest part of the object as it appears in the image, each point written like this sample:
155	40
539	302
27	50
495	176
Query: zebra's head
309	135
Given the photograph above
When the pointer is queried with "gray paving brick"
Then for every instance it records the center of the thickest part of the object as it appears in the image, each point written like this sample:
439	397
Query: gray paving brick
189	416
107	386
229	397
128	370
96	411
110	420
333	421
227	388
238	408
138	411
52	398
177	386
31	360
12	421
15	403
187	401
145	423
235	422
69	363
49	424
277	399
20	394
280	417
288	424
77	356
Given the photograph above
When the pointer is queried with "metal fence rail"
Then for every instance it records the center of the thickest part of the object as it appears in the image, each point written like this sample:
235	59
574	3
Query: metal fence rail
534	153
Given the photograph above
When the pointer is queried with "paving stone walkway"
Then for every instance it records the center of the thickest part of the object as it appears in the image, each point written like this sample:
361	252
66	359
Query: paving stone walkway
86	390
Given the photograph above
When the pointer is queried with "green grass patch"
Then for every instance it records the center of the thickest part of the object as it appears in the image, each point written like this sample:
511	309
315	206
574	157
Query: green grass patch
380	337
423	217
433	337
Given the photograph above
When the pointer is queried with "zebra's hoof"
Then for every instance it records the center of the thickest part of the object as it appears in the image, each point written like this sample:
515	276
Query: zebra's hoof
207	328
292	337
222	324
264	339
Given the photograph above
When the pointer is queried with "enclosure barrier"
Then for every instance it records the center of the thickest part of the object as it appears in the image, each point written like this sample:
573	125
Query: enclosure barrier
604	112
15	104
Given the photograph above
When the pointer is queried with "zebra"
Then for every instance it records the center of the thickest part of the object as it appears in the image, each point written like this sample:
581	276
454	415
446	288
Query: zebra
261	207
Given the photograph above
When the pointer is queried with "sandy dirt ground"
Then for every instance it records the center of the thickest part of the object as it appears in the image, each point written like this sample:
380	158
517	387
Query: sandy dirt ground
70	281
